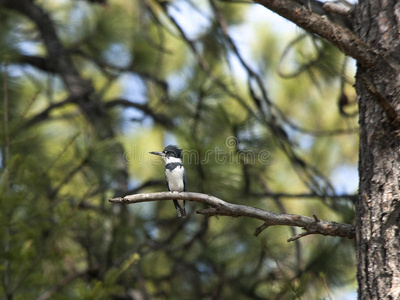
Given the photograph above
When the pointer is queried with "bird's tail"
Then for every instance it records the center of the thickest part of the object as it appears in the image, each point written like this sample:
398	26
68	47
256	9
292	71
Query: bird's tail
180	208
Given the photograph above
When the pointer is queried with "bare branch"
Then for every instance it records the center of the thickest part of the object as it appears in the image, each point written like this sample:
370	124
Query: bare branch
342	38
222	208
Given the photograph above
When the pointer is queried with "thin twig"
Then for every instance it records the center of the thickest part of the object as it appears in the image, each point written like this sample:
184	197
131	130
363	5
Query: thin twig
296	237
326	287
260	229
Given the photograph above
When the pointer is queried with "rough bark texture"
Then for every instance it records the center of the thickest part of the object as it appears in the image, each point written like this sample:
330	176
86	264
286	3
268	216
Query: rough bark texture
378	206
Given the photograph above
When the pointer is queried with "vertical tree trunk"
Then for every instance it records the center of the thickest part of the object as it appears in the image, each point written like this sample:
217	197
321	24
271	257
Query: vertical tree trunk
378	205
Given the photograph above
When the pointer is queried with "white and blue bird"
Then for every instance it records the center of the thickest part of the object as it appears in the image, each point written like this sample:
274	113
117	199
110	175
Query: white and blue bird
175	175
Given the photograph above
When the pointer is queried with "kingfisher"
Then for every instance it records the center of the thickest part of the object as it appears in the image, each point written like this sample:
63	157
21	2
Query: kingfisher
175	175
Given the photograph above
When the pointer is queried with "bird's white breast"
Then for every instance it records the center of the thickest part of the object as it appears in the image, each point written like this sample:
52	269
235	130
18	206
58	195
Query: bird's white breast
175	178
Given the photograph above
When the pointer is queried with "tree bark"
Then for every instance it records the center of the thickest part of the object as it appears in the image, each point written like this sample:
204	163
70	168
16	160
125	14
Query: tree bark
378	206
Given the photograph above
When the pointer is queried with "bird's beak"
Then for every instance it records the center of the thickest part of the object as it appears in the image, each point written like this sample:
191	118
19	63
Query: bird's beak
158	153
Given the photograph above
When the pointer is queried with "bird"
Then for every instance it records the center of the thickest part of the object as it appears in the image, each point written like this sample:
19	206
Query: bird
175	174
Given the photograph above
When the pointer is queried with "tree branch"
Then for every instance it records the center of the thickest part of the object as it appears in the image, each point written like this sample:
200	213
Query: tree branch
222	208
44	114
159	118
41	63
342	38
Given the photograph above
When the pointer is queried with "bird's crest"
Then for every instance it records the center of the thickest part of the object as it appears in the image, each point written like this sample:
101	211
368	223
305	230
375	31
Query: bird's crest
172	150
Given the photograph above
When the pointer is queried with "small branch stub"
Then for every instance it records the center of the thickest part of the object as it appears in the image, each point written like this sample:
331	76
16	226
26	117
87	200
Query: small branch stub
316	218
222	208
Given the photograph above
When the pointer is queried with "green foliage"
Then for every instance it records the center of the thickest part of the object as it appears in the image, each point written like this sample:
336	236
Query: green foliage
61	238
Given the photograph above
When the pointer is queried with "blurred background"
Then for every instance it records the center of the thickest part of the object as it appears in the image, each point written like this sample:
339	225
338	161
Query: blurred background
265	113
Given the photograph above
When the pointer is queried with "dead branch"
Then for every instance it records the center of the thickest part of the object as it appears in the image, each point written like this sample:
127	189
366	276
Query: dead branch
223	208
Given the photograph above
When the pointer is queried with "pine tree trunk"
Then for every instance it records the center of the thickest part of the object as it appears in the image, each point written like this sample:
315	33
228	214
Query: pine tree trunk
378	205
